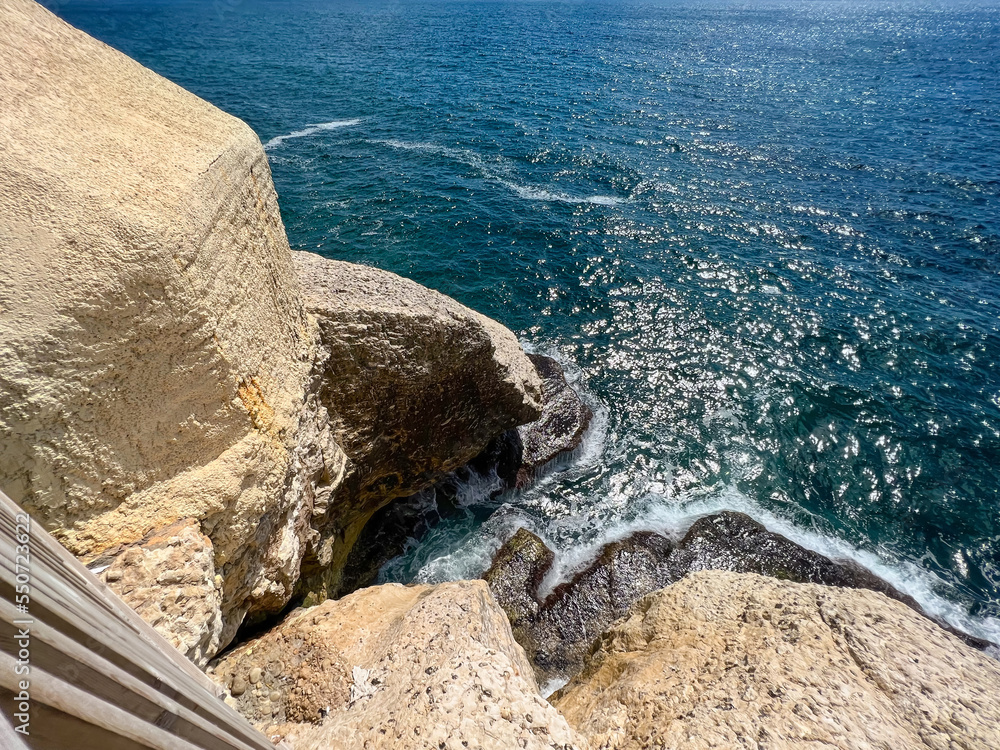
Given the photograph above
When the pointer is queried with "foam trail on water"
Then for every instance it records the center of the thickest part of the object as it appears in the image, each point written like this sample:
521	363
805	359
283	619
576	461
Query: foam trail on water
499	171
540	194
309	130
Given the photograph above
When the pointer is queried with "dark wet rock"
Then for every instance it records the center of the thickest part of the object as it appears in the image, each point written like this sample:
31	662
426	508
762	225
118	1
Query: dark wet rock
503	456
735	542
558	635
406	520
386	536
516	574
565	417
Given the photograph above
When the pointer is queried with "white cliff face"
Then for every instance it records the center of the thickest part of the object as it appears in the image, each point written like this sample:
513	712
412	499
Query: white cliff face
157	361
153	347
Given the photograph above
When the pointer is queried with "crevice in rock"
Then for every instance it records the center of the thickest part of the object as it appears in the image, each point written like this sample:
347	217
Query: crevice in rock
511	461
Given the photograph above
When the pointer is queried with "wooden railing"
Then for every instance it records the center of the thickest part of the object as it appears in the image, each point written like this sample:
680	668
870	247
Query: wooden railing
79	670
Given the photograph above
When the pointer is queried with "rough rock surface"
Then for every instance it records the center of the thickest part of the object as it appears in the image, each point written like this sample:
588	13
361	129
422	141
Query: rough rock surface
169	579
741	661
158	363
406	520
515	575
734	541
416	385
394	667
153	344
557	632
509	460
565	417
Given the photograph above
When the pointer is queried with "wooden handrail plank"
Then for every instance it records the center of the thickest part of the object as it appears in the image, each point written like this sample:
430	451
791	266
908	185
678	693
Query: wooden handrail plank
97	664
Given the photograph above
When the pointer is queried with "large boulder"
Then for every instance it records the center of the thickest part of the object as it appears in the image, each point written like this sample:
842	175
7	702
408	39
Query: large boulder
731	660
416	385
734	541
158	362
153	344
394	667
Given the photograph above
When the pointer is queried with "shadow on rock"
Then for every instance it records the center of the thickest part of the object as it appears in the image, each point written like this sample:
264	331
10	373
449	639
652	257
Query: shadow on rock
511	460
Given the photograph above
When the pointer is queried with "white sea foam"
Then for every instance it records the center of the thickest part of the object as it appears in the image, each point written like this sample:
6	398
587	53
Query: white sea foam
540	194
500	171
674	517
552	685
310	130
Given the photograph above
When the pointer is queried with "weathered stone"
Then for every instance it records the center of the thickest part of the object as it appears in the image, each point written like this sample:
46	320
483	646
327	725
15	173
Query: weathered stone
415	384
394	667
138	386
565	417
732	660
557	633
406	520
516	573
503	457
734	541
169	580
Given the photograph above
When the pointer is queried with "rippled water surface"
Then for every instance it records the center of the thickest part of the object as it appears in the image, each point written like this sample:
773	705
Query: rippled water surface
763	236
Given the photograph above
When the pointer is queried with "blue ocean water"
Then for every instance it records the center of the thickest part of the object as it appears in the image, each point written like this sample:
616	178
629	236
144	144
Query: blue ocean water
763	236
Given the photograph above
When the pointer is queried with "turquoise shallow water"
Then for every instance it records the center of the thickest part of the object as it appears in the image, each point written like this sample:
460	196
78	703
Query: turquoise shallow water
763	236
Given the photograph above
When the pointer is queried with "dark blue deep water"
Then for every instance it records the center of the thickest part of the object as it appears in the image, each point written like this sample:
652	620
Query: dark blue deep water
764	237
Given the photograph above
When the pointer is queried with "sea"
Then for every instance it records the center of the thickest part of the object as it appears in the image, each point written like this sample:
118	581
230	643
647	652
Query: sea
761	236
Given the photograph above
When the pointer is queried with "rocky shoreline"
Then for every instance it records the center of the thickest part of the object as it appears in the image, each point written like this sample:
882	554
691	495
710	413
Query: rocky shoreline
557	631
232	435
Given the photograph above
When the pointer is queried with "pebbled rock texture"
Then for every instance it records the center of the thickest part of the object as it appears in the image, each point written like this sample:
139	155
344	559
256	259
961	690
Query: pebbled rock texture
169	580
416	385
394	667
726	660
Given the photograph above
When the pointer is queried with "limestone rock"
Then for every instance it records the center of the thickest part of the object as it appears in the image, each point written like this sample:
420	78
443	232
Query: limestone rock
169	579
565	417
415	384
153	344
393	667
734	541
731	660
